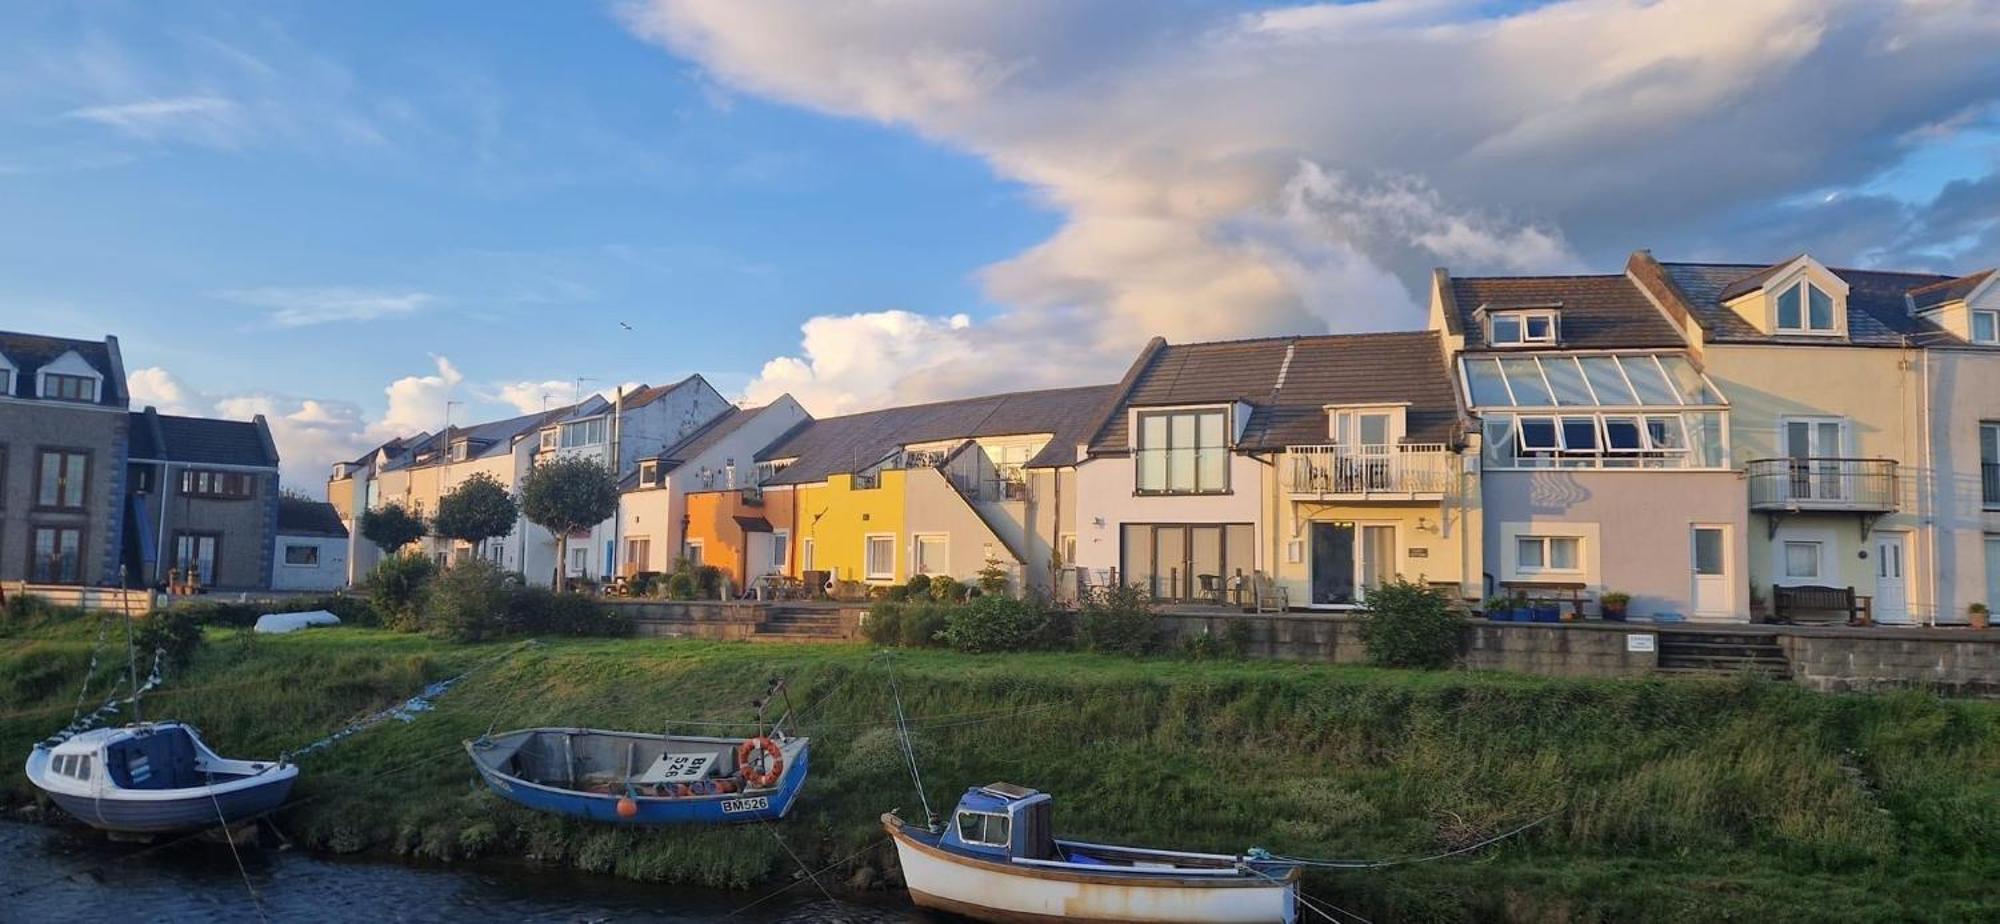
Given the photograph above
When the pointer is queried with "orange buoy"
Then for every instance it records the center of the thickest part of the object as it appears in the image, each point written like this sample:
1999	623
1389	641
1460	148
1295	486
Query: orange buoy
627	807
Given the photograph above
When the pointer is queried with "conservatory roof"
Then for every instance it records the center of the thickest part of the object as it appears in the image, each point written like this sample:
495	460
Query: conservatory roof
1610	380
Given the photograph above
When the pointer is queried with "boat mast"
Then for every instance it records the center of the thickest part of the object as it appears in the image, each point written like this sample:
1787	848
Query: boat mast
131	658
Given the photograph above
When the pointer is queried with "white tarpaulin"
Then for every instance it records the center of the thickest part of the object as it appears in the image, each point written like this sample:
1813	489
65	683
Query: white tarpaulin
279	623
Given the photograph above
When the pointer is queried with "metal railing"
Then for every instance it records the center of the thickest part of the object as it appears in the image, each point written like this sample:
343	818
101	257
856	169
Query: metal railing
1822	483
1406	468
1008	483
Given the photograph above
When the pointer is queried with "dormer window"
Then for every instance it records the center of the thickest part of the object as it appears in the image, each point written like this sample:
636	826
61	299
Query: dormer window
461	450
649	474
1523	328
1805	309
69	387
1986	327
548	439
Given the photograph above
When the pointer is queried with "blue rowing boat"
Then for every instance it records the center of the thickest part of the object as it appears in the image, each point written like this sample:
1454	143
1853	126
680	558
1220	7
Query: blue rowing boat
152	778
639	779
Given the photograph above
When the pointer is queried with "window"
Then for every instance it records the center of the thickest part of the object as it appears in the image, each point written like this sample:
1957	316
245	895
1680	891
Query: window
1183	452
1989	464
196	482
1067	544
302	556
933	555
1985	328
195	556
69	387
984	829
639	552
1708	556
1802	559
1520	328
6	381
1539	434
549	437
62	476
579	562
74	766
584	432
694	552
879	556
781	549
806	554
57	555
461	450
1535	554
649	474
1805	308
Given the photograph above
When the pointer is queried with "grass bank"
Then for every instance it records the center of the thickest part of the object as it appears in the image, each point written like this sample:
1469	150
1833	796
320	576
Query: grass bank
1673	799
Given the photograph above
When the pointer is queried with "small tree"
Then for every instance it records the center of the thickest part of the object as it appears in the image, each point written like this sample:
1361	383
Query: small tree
565	495
477	510
391	527
993	577
1408	624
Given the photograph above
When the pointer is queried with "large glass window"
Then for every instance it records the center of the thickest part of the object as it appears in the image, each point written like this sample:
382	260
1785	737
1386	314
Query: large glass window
1535	554
1805	308
1183	452
69	387
1658	411
590	432
1989	464
62	478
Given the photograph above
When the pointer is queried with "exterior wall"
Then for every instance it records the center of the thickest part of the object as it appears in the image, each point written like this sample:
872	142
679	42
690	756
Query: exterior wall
711	521
1879	391
1964	389
1635	526
934	507
27	426
730	463
837	517
329	574
1436	542
1050	516
649	513
245	527
1105	501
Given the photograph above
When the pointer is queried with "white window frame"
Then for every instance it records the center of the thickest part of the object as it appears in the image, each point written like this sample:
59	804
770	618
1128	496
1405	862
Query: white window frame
1804	287
868	572
551	437
697	552
1066	545
649	474
959	821
1524	318
1547	543
917	559
1819	560
314	549
781	549
1351	415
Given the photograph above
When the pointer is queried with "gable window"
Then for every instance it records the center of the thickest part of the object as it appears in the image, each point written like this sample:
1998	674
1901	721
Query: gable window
56	555
1536	554
879	557
62	478
1183	452
549	437
1985	327
1805	308
1522	328
649	474
984	829
69	387
196	482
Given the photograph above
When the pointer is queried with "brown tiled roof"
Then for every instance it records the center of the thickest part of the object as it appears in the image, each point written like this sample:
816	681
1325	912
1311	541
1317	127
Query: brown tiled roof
854	441
1597	312
1289	381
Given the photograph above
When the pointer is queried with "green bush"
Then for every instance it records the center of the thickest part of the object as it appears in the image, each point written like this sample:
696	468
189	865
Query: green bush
919	586
681	585
28	611
947	589
1410	625
884	625
222	613
1203	647
990	623
396	588
576	614
1118	620
921	624
468	602
897	594
176	632
708	578
1057	631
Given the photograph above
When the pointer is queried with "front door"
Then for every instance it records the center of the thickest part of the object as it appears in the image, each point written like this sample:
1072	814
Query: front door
1332	563
1892	589
1712	585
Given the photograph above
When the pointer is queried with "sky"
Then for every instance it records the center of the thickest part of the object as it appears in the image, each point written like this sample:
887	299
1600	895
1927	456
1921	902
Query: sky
364	219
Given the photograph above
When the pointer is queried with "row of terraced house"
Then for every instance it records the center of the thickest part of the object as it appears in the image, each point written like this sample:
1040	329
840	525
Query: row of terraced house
1693	435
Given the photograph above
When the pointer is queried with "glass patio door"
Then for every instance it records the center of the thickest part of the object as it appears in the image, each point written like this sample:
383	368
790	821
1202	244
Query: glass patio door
1815	448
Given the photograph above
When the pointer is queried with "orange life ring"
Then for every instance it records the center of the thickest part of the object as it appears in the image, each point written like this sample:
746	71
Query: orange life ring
774	763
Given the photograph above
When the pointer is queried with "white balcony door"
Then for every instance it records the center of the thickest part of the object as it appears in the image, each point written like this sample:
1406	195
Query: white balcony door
1815	446
1892	586
1713	587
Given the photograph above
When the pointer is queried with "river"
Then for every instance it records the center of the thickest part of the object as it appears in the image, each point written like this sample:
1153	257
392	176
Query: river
76	875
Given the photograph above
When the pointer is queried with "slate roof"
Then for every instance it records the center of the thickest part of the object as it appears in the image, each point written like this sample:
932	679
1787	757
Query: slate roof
1596	312
854	441
30	352
1937	293
200	440
637	398
492	438
1877	311
301	517
1289	398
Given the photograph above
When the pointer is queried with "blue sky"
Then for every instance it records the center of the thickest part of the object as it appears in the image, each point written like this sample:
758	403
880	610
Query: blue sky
345	215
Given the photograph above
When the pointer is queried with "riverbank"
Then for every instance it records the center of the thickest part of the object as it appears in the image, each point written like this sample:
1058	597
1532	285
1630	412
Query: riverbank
1673	799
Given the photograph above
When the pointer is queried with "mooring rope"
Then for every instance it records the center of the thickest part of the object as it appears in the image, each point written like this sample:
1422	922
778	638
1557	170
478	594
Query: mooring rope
229	837
774	893
1316	863
909	750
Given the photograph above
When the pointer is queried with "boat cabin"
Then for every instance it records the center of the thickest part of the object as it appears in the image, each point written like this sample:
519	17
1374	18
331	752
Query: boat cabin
142	757
1002	821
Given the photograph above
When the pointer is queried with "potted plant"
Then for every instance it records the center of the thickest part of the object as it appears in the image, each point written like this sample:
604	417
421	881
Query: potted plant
1978	615
1546	611
1499	609
1613	603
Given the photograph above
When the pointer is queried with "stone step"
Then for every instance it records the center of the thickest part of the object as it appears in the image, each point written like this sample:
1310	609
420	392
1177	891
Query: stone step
1720	650
1722	672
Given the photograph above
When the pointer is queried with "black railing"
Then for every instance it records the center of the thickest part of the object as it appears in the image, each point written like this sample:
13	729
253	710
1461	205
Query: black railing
1822	483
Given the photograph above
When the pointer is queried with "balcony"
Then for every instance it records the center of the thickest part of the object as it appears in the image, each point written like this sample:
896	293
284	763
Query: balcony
1822	483
1387	472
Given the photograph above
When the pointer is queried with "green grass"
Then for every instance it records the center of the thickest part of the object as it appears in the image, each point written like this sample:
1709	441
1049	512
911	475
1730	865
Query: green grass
1672	799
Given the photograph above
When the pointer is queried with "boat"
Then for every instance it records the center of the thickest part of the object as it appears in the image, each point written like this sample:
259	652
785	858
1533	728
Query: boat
996	860
640	779
152	778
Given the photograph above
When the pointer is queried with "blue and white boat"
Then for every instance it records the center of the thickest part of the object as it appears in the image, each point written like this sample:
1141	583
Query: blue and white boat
997	861
640	779
153	778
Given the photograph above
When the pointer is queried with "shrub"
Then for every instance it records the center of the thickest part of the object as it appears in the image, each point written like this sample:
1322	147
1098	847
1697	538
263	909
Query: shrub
390	527
1118	620
947	589
222	613
897	594
884	625
1237	637
920	625
577	614
177	632
1410	625
990	623
27	611
919	586
396	588
992	579
708	579
467	603
681	585
1203	647
1057	631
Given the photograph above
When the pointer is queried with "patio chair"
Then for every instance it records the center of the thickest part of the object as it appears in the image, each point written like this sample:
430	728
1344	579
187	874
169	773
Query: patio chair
1268	595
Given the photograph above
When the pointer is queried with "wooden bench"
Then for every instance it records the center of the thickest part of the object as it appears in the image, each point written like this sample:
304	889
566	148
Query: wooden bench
1817	605
1558	592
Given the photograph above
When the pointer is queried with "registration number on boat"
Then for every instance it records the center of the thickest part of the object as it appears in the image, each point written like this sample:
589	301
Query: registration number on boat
752	804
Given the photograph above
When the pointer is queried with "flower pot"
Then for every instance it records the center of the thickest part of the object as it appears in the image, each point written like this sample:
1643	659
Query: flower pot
1613	612
1500	615
1524	614
1979	620
1547	612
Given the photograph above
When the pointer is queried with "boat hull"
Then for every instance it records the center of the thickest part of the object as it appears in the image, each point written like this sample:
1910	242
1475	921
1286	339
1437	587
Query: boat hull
165	815
990	891
727	809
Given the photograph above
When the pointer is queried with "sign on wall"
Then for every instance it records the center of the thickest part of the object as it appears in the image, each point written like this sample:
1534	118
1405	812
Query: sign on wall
1639	642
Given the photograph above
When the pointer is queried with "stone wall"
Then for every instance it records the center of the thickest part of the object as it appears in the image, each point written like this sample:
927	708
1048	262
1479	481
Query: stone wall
691	619
1959	662
1586	650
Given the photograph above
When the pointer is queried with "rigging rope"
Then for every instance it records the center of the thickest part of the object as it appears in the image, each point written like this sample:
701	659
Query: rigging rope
110	706
229	836
909	751
103	628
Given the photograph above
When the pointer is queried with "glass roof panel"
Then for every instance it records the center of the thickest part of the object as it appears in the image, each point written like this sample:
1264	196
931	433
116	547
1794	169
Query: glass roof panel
1610	385
1649	381
1692	385
1525	377
1567	380
1484	377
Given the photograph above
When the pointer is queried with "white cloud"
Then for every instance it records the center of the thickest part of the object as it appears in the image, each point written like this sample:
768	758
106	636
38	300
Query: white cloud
304	307
310	433
535	397
417	402
1228	174
211	119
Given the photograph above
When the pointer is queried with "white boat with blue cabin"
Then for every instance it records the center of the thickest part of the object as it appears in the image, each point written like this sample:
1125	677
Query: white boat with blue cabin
153	778
997	860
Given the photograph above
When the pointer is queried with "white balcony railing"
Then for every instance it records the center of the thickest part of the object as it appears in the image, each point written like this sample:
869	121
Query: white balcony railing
1354	471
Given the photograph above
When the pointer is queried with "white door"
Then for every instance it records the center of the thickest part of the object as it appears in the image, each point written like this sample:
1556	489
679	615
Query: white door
1709	554
1377	561
758	550
1892	588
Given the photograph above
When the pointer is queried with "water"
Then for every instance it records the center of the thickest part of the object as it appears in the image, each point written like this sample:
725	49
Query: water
74	875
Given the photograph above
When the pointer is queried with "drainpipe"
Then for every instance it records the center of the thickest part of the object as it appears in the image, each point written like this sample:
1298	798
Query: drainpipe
1926	500
160	552
617	475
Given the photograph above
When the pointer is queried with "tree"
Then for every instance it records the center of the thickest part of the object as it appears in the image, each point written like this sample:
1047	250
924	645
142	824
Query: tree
566	495
477	510
391	527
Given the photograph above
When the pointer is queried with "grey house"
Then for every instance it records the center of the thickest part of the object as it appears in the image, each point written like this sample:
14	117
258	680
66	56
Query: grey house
203	501
63	432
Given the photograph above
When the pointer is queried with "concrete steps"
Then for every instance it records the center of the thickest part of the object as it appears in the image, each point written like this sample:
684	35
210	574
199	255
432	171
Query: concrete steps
801	626
1725	653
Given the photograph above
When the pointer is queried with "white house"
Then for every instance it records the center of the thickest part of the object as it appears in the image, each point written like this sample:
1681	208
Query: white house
652	506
